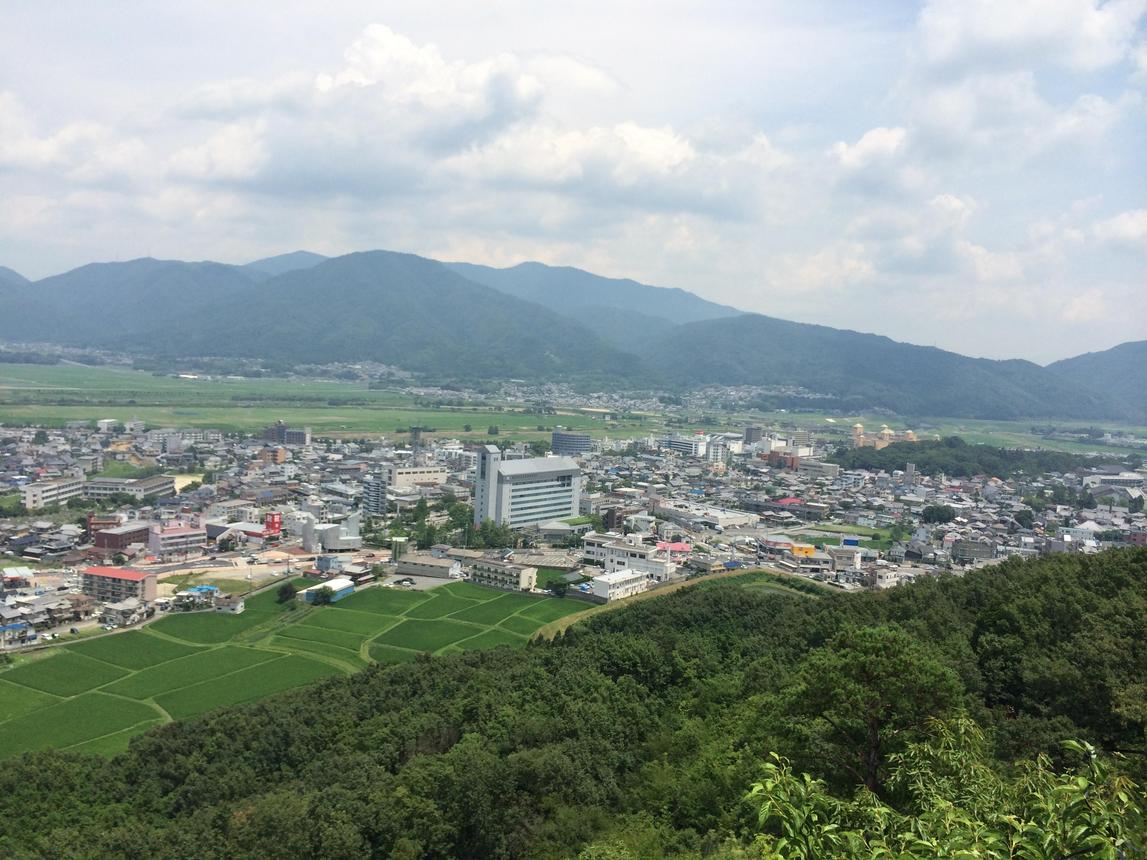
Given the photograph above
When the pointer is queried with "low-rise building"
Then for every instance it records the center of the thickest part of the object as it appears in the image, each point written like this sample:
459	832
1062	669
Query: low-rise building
504	575
620	584
42	494
428	565
170	540
113	584
615	552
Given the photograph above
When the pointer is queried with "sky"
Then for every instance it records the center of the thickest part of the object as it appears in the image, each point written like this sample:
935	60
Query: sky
967	174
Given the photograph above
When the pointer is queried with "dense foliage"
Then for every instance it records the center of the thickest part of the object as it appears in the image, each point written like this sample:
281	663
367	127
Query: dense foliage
641	733
954	457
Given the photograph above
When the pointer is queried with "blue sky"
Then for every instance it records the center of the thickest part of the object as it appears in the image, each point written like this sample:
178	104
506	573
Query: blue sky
968	174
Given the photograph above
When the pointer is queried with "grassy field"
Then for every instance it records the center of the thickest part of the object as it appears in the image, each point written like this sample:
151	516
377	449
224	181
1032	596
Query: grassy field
97	695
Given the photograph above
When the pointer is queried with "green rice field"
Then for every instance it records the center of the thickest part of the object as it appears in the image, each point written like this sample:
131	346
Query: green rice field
95	696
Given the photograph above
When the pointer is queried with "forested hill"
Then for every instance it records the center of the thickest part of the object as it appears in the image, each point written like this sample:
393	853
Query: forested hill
639	734
954	457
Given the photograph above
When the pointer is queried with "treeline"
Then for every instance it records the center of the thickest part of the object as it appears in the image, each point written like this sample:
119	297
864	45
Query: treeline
955	457
11	356
641	732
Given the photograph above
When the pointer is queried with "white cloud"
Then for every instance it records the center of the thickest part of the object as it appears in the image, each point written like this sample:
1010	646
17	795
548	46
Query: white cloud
1126	228
1088	306
875	145
1080	34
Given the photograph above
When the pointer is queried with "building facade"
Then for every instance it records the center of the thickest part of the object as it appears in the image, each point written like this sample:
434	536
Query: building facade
504	575
620	584
56	492
525	492
567	444
115	584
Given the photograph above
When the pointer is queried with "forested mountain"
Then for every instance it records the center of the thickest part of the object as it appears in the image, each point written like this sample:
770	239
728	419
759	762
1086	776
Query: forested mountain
462	322
640	732
148	302
282	263
1121	372
404	310
569	290
861	370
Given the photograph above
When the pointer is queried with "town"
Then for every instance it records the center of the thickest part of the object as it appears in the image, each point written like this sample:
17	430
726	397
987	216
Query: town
206	519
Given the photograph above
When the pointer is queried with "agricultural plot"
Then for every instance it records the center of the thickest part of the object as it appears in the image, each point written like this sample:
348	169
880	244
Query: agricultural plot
64	674
441	605
551	610
350	621
521	625
95	696
493	611
339	638
209	628
73	721
491	639
16	700
268	601
419	635
390	654
133	650
244	686
385	601
195	669
343	657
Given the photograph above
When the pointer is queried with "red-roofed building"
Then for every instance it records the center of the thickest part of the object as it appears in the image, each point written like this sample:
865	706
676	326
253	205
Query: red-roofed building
113	584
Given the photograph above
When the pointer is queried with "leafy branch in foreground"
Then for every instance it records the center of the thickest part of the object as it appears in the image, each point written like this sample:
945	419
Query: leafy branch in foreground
956	806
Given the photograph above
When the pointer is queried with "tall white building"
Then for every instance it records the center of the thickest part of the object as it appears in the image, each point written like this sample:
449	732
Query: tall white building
523	492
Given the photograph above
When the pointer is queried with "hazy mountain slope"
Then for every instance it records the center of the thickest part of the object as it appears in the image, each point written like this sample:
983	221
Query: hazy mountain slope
914	380
101	303
12	277
567	290
1119	372
405	310
283	263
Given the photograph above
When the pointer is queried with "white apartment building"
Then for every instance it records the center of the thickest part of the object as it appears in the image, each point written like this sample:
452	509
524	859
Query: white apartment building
56	492
617	552
620	584
165	541
524	492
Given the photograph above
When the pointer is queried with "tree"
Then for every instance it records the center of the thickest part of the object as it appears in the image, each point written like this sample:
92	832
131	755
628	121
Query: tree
40	437
1024	517
119	558
955	805
492	430
286	593
865	696
938	514
323	596
466	428
421	511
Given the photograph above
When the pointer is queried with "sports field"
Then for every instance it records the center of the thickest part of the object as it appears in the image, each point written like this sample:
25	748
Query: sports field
95	696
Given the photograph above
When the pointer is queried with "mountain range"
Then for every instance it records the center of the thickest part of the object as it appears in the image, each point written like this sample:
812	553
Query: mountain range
464	323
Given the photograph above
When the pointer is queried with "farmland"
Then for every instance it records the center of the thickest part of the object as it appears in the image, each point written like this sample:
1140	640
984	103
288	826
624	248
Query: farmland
54	394
95	696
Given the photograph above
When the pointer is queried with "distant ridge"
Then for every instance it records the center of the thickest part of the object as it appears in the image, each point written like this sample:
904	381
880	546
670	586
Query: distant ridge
473	324
11	276
283	263
1121	370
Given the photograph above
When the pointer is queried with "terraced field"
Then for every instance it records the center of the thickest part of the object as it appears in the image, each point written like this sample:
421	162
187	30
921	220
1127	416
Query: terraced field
95	696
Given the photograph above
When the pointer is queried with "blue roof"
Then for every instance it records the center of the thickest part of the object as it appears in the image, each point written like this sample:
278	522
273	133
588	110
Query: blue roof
201	588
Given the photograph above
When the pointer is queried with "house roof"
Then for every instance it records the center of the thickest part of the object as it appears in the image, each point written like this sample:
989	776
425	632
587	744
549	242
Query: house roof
118	573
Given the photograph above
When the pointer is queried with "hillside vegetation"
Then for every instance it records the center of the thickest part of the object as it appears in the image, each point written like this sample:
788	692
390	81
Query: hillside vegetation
929	720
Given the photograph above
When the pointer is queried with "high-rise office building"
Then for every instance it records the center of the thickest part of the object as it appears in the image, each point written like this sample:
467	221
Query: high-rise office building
523	492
